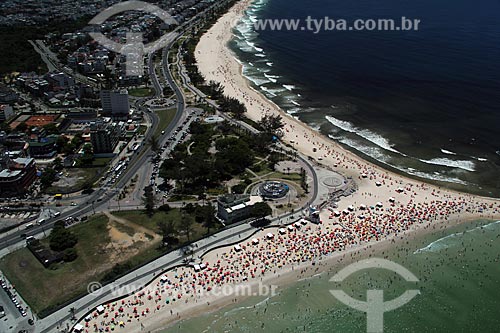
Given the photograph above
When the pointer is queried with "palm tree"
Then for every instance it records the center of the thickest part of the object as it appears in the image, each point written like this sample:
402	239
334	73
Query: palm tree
154	144
167	230
187	225
72	311
209	217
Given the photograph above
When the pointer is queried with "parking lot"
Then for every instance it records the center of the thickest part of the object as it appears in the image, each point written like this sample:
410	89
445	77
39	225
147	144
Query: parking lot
17	315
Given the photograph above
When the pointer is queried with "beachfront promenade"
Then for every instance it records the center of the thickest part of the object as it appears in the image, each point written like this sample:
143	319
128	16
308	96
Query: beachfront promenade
385	206
354	226
145	274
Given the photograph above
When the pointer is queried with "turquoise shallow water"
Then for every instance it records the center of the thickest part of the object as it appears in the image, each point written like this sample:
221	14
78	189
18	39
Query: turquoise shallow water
458	271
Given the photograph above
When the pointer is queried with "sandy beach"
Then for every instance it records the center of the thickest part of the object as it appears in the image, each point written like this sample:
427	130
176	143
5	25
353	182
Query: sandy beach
386	208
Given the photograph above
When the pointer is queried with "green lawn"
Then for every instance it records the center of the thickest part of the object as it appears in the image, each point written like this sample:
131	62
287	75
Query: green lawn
85	175
45	288
89	175
206	107
181	197
166	116
141	218
151	223
142	129
291	176
42	287
141	92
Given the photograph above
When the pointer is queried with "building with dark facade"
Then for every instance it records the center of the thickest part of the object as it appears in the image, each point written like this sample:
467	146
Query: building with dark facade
115	104
105	136
16	175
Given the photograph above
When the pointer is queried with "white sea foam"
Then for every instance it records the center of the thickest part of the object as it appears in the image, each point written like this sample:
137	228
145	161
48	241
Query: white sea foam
256	80
258	49
293	110
373	152
378	154
444	151
364	133
294	102
267	90
480	159
436	176
243	46
235	310
437	245
289	87
260	55
270	64
272	78
461	164
444	242
277	90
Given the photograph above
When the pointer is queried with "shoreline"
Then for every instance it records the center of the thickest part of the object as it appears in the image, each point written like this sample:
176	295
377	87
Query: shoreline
307	271
226	38
239	84
216	62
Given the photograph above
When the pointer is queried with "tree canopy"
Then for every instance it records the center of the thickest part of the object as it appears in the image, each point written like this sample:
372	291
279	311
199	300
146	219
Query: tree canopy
232	105
61	238
272	125
261	209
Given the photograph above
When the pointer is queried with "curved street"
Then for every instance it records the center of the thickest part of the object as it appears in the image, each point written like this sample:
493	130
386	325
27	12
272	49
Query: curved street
101	198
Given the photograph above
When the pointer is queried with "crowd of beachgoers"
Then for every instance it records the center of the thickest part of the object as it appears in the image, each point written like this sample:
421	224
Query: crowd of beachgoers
385	206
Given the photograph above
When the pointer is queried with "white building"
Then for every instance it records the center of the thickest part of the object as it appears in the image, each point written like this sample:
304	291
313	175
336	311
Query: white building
236	207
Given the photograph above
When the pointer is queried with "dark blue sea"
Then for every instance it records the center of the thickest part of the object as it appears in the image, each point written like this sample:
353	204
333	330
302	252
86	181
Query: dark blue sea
425	103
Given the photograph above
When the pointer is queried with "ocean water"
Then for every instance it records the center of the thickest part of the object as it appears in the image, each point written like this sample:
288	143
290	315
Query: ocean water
458	271
425	103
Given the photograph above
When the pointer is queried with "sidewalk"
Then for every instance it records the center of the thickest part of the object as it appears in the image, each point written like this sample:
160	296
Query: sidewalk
144	275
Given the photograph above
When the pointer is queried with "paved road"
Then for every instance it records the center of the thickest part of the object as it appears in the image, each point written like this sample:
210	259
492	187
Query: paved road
142	276
98	201
99	198
53	63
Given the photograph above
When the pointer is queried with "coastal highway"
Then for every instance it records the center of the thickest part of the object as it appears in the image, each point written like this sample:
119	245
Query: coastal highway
53	64
98	200
187	83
